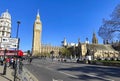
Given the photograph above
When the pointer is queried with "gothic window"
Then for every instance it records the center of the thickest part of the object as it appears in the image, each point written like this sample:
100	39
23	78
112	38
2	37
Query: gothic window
1	21
5	23
4	40
3	33
3	28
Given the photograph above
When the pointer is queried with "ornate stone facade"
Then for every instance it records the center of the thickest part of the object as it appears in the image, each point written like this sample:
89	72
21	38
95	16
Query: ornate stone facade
37	47
5	24
96	51
37	29
48	48
94	39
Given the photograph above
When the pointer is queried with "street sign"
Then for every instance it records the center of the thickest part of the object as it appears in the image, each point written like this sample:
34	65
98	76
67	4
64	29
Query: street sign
9	42
8	45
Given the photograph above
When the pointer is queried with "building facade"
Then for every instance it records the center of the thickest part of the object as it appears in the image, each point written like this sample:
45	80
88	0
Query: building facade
5	24
96	51
37	47
5	30
37	29
6	41
46	48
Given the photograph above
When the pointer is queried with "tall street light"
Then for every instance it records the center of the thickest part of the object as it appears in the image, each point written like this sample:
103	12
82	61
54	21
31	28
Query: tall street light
5	64
18	23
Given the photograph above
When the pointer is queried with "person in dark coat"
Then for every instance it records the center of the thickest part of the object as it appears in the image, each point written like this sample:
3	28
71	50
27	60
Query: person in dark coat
30	60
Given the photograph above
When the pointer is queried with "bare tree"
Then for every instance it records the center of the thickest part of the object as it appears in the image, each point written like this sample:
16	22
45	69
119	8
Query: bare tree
110	29
105	31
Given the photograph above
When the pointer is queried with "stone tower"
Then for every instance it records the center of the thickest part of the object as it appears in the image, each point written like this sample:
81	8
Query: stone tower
94	39
37	29
87	41
64	42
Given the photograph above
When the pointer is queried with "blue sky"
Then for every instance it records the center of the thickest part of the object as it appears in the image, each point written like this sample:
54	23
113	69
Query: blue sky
72	19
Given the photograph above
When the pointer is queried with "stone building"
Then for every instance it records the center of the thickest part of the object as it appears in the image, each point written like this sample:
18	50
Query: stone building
37	31
5	30
46	48
96	51
94	39
100	51
5	24
37	47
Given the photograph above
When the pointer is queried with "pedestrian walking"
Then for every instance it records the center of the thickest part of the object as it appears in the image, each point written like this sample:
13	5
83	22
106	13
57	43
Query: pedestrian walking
1	60
30	60
8	61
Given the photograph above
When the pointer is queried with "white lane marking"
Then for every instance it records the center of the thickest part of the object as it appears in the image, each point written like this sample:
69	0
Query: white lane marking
68	74
77	76
87	75
98	77
56	80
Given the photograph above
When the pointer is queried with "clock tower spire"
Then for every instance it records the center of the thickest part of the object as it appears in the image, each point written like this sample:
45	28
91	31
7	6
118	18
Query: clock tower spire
37	30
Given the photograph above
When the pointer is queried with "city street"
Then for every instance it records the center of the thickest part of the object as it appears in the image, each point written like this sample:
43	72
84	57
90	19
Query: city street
46	70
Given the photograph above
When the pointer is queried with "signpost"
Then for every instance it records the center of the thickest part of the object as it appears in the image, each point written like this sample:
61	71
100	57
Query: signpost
10	43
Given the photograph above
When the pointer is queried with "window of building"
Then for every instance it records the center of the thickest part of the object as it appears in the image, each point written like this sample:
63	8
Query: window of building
3	28
3	33
4	40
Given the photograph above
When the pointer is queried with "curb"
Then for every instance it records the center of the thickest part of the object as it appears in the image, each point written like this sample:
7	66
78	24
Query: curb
27	75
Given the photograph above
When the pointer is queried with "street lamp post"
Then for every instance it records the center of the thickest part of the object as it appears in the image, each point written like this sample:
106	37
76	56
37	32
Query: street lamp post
5	65
18	22
52	52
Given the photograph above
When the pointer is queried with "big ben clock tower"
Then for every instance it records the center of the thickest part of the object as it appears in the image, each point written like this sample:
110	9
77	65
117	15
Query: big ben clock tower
37	29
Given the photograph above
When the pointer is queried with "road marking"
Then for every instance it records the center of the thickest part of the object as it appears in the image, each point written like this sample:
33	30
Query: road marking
87	75
77	76
98	77
56	80
68	74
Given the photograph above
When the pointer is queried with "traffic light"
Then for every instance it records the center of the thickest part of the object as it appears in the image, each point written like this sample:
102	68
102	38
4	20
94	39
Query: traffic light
20	53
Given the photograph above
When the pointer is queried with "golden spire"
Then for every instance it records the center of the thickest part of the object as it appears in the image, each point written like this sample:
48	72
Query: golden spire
38	17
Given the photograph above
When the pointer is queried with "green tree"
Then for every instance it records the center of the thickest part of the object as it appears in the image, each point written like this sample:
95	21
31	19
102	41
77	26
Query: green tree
65	52
79	50
52	52
28	53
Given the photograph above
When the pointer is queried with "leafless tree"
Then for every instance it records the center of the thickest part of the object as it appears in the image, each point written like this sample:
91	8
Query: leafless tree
105	31
110	29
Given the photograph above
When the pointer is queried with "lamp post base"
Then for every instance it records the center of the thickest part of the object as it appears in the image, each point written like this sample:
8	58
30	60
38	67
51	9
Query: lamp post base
5	68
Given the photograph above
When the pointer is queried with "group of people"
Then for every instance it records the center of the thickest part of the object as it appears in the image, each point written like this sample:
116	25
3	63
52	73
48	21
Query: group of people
10	61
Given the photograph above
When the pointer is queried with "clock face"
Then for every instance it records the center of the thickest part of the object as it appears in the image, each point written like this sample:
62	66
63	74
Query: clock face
38	27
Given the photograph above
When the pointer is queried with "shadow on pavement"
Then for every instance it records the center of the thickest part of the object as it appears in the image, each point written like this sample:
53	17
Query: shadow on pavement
5	77
96	71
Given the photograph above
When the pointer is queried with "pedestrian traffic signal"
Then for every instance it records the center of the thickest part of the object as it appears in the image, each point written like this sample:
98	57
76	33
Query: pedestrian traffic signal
20	53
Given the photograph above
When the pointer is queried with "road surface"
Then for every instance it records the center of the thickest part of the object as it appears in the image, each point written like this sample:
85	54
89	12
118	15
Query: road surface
46	70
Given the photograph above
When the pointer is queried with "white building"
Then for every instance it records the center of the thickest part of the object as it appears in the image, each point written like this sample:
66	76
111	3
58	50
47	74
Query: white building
5	24
6	41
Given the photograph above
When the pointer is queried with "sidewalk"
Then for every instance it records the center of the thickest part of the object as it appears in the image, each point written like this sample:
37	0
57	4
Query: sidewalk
9	74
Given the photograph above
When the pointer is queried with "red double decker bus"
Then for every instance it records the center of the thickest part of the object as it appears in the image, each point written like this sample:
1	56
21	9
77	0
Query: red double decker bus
11	52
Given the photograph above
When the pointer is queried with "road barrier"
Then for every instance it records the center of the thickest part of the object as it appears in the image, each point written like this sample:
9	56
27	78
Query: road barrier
27	75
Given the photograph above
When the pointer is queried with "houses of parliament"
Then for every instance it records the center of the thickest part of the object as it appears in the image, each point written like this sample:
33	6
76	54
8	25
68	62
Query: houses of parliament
37	47
101	51
96	49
